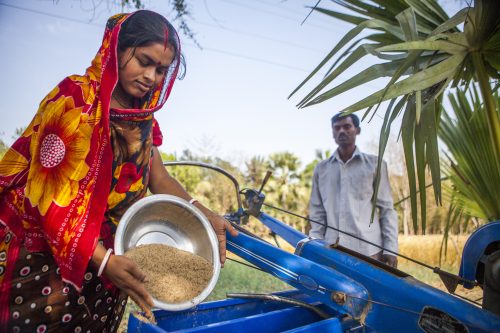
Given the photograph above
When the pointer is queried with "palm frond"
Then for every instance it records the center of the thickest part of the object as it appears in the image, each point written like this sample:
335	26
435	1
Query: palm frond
423	51
471	163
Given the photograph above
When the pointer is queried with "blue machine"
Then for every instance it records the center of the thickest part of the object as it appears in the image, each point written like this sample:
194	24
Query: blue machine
338	290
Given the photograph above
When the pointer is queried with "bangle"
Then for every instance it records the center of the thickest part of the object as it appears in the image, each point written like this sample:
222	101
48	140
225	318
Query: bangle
104	262
193	201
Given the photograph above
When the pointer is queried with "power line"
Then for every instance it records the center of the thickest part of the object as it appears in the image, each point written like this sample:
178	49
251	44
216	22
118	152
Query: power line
197	22
332	27
51	15
233	54
212	49
278	5
243	56
295	12
241	32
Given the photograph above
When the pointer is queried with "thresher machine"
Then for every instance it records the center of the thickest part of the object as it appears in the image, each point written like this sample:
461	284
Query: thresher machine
339	290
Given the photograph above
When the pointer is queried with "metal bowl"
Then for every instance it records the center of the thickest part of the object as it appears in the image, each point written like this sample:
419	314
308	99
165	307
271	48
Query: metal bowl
170	220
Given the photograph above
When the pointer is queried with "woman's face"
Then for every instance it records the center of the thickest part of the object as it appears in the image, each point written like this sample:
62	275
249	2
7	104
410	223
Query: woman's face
140	71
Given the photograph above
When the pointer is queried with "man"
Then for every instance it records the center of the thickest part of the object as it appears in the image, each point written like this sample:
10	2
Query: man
342	193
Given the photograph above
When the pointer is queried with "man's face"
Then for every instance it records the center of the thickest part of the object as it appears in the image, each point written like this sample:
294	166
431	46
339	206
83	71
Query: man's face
344	132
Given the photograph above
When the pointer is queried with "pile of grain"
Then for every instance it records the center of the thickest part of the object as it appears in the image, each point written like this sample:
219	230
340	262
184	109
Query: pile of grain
172	275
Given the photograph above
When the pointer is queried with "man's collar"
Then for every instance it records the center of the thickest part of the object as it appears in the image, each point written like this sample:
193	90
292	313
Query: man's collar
336	156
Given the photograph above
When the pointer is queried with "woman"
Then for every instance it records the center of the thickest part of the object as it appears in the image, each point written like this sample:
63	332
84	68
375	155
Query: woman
89	153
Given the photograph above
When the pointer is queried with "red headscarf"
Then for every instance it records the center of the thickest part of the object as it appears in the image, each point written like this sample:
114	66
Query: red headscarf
55	179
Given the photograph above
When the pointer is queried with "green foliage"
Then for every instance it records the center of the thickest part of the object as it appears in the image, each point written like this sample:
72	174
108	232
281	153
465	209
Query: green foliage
256	169
422	51
211	188
189	177
289	187
137	4
307	174
285	188
472	162
237	278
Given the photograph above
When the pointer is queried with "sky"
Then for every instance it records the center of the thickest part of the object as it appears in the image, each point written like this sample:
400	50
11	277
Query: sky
233	102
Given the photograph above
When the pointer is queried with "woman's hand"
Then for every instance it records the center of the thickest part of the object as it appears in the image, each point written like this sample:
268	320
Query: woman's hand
220	225
125	275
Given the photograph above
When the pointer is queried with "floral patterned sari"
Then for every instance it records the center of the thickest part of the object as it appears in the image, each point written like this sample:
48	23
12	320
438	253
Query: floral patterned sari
55	180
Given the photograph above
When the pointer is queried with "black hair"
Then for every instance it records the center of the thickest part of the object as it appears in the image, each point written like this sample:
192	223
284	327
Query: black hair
339	116
144	28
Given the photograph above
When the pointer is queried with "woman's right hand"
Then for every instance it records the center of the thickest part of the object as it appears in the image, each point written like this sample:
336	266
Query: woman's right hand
125	275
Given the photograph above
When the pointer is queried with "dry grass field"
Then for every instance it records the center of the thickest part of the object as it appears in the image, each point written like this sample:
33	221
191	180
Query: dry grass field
427	250
238	278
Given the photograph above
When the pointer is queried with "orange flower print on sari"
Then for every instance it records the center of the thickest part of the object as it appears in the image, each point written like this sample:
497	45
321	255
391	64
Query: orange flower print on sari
58	149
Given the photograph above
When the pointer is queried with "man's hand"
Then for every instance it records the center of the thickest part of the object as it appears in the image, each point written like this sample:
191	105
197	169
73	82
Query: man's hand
221	225
390	260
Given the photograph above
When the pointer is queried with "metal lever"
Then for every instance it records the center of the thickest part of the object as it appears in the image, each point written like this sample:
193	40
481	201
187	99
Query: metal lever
254	200
266	178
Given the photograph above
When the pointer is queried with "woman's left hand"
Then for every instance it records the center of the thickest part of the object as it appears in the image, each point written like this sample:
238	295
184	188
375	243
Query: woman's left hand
221	225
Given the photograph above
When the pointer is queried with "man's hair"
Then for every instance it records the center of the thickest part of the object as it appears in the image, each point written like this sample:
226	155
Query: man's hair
339	116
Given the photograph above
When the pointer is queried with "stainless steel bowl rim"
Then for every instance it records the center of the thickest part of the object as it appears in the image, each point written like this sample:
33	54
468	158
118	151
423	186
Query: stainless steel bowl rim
158	198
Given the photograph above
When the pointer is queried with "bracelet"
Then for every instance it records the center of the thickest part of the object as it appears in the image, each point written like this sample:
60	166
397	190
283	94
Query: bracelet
193	201
104	261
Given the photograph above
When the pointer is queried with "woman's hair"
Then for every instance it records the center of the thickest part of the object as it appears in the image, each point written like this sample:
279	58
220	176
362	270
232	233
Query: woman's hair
144	28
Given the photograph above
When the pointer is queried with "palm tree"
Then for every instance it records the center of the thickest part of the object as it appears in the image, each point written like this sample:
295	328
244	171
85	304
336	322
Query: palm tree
256	170
307	173
423	52
284	189
471	160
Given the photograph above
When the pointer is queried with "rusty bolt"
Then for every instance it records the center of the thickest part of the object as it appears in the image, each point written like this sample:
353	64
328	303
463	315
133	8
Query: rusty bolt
339	297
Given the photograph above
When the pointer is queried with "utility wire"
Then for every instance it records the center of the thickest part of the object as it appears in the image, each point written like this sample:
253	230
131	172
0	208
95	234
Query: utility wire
291	281
51	15
437	270
229	53
241	32
321	27
212	49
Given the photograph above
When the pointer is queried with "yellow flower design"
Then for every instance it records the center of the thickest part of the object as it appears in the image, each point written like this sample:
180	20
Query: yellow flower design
12	163
58	149
88	91
36	120
94	71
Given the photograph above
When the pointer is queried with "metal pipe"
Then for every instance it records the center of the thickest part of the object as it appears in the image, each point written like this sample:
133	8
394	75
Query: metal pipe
212	167
281	299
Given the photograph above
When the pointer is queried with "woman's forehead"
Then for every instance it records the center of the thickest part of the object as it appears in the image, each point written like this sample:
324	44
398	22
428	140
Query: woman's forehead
157	53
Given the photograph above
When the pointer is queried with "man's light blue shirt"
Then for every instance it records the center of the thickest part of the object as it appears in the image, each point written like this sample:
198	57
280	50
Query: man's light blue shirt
341	198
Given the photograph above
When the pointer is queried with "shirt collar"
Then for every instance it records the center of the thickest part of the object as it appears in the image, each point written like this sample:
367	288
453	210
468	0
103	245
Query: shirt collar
336	157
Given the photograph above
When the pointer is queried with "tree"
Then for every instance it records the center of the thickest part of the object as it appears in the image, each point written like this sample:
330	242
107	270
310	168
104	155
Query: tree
471	160
308	172
256	171
179	7
284	188
422	51
189	177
